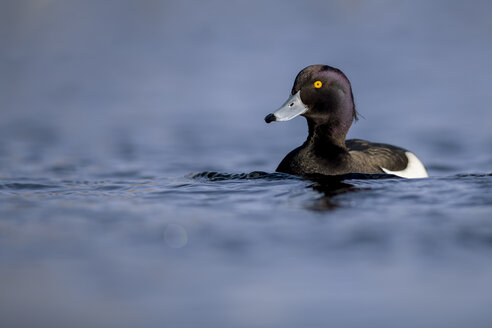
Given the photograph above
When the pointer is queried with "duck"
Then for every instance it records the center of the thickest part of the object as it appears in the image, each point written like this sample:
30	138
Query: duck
323	95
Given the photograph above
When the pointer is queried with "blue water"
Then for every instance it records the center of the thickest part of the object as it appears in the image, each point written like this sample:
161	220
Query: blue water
137	183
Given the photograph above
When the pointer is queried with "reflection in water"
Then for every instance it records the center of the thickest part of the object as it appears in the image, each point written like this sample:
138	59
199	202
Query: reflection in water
334	185
329	186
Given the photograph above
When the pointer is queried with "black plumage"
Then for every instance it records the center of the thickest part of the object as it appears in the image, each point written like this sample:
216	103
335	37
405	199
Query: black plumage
323	95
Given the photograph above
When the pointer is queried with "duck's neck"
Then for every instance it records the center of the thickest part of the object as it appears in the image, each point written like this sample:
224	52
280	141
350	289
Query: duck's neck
326	138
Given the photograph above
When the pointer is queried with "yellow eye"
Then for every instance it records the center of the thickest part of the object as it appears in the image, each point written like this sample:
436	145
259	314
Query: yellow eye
318	84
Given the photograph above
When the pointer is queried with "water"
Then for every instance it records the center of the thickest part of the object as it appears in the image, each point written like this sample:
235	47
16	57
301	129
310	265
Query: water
136	171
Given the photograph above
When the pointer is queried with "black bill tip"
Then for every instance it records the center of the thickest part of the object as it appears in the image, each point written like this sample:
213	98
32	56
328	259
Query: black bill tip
270	118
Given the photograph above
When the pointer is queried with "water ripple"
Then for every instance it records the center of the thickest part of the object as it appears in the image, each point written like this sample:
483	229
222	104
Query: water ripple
217	176
27	186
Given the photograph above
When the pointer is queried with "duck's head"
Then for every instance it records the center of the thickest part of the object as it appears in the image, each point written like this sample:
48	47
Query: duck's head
323	95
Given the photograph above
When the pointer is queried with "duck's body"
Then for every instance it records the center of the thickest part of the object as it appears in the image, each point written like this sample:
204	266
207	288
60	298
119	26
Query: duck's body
324	96
358	156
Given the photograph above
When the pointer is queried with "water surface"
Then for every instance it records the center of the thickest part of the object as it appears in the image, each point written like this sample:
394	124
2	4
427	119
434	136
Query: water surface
137	183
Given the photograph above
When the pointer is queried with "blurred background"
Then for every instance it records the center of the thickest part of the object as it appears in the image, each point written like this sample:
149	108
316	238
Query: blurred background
152	76
108	107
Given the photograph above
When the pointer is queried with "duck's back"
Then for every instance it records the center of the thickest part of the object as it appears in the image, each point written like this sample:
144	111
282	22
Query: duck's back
360	156
384	158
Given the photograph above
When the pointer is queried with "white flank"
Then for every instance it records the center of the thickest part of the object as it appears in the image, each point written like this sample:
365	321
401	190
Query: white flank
414	170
